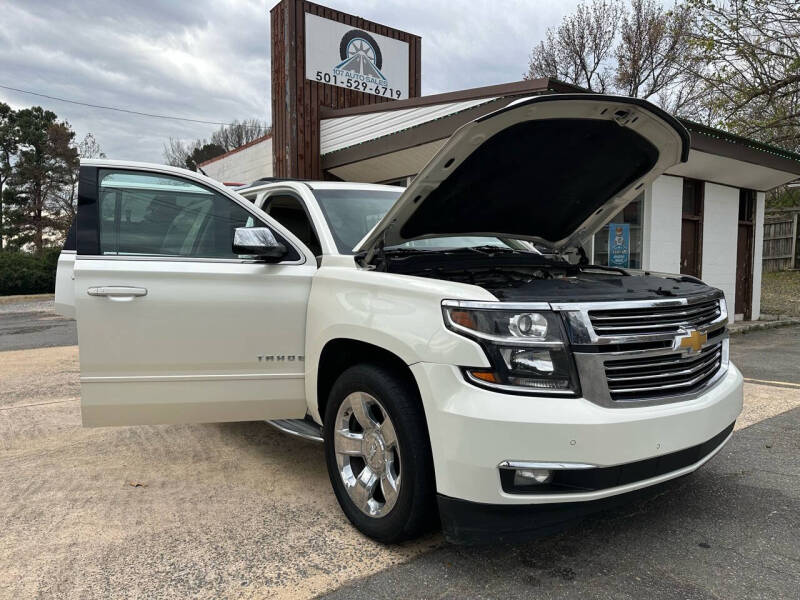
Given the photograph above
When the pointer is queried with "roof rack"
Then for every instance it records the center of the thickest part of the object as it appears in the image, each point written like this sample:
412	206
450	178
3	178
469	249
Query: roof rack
274	179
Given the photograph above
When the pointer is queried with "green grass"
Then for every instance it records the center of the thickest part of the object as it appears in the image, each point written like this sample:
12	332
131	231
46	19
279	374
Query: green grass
780	293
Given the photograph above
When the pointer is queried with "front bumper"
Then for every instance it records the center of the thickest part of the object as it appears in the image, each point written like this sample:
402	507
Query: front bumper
472	522
473	430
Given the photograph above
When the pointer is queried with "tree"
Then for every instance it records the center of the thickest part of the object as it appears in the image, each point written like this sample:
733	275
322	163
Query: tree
8	149
653	54
229	137
580	49
45	164
176	152
636	49
202	154
89	147
751	67
64	199
237	134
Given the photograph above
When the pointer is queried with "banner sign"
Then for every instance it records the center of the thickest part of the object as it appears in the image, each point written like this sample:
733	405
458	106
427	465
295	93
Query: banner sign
619	245
355	59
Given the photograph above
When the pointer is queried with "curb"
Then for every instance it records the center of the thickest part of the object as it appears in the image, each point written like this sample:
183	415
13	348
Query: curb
759	325
25	298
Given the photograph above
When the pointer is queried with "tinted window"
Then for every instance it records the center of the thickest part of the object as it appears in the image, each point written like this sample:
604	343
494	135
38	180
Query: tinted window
289	212
160	215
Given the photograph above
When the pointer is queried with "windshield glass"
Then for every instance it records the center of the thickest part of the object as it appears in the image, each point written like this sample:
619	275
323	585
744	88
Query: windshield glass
352	213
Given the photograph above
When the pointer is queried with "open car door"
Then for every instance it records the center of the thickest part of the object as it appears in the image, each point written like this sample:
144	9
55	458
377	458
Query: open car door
174	324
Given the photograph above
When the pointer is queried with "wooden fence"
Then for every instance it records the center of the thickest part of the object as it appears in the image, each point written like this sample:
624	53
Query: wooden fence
780	242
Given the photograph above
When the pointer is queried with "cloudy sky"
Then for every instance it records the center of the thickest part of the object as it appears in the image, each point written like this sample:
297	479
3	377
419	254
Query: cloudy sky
209	59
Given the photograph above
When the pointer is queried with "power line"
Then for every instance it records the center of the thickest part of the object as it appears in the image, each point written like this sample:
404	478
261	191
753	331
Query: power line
124	110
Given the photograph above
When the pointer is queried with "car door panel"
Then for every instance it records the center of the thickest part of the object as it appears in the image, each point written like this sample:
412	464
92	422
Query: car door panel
184	339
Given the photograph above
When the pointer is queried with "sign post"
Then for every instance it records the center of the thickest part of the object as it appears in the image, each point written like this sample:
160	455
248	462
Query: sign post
619	245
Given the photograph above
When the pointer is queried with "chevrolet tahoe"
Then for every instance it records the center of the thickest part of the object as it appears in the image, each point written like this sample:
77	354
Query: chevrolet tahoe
449	343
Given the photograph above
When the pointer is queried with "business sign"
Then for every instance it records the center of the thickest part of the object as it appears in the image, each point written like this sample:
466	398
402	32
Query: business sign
619	245
351	58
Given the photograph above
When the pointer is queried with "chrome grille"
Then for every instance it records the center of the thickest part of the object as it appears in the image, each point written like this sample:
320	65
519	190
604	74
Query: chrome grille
654	320
662	375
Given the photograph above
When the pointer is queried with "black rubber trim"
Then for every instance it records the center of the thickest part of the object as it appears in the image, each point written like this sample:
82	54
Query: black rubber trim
470	523
574	481
88	218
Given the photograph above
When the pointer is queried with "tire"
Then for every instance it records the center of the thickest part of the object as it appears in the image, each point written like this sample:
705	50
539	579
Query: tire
410	510
358	33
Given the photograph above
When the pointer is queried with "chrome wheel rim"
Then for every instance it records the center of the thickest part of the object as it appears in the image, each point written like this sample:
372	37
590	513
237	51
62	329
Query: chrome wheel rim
367	454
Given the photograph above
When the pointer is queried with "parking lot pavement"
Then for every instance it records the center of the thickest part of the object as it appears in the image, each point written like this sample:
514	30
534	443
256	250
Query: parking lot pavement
731	530
240	510
769	354
32	323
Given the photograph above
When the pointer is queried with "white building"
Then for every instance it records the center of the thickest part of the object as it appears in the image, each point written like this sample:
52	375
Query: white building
242	165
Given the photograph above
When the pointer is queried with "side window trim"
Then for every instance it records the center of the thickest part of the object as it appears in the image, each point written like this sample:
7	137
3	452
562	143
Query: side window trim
287	191
88	219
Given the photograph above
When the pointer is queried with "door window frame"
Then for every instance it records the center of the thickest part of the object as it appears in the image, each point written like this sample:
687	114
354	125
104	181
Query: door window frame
88	219
264	200
258	196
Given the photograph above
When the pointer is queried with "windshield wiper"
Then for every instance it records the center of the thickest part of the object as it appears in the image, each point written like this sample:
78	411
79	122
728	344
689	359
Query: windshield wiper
490	250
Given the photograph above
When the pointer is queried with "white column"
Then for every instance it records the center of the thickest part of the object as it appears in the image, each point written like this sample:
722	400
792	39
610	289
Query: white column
720	238
758	242
661	225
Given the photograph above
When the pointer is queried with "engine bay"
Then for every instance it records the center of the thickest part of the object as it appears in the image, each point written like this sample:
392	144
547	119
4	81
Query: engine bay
514	276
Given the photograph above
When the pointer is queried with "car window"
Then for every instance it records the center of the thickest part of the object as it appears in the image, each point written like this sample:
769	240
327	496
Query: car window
161	215
351	214
289	212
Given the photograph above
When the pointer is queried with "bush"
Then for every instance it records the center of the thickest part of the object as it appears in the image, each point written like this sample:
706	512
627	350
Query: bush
25	273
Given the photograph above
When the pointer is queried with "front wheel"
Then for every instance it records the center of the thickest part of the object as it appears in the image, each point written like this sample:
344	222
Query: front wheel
378	453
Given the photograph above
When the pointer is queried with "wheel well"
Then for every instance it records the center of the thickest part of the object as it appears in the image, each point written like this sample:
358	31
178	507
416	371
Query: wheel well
340	354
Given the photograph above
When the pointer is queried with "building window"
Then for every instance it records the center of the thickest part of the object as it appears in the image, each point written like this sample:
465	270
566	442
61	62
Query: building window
632	215
747	205
692	227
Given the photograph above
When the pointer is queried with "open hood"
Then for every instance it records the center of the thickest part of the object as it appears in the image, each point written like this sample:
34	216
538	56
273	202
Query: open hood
550	169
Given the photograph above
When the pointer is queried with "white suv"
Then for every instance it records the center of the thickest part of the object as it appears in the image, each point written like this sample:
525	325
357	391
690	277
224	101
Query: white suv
449	342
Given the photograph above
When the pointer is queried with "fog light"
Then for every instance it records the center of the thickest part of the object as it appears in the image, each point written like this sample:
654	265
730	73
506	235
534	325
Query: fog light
532	476
530	360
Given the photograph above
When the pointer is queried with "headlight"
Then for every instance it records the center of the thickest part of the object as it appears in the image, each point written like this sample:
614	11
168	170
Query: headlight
526	348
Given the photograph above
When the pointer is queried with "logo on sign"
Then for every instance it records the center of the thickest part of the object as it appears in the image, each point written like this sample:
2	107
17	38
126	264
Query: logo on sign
361	56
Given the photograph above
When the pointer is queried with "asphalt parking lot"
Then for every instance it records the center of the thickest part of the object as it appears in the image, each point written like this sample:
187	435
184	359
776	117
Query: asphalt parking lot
239	510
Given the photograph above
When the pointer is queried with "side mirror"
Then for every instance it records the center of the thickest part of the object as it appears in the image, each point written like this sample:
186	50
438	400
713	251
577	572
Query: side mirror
259	242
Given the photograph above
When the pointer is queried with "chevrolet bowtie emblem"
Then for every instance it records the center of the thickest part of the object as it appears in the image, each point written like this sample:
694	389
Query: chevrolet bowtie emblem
692	341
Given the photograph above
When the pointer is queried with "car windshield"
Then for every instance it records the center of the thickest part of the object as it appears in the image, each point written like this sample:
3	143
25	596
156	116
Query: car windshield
352	213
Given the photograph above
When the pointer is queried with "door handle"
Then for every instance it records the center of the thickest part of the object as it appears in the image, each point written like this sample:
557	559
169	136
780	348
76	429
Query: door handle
117	292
